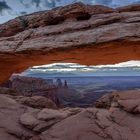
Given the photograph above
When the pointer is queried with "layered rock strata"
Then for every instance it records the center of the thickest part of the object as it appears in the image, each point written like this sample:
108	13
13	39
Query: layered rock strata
75	33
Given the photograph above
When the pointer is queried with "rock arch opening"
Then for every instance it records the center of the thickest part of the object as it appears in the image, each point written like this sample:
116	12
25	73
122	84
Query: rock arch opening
105	53
73	84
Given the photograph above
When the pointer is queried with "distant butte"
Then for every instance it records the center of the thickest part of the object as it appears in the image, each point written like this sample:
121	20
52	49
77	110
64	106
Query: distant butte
78	33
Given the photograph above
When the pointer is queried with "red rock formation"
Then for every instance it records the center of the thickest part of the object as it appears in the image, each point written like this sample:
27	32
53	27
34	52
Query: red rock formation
84	34
78	33
129	8
52	17
107	53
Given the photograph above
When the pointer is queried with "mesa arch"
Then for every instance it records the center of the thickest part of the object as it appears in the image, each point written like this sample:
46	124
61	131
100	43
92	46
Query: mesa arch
77	33
110	53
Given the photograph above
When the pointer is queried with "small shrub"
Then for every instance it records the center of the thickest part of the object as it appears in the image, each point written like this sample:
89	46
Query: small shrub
24	22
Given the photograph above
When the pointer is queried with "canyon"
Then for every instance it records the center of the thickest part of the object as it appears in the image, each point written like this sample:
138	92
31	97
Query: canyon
76	33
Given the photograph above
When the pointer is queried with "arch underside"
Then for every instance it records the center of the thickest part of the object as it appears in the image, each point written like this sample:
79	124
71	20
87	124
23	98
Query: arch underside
105	53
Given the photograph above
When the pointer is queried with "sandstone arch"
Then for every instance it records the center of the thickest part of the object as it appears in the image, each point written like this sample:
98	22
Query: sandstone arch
113	52
106	36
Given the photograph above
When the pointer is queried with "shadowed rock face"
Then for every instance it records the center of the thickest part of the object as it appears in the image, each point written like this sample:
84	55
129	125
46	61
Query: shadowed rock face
75	33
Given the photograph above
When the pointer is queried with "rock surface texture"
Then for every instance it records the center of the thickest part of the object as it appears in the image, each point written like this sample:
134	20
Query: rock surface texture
20	121
71	26
74	33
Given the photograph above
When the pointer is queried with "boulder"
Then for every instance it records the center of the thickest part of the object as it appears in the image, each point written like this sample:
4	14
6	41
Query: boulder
124	100
49	114
28	120
10	112
105	101
37	102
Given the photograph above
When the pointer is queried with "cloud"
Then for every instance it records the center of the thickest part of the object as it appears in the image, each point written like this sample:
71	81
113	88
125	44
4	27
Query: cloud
36	2
137	2
28	4
64	67
4	6
51	3
23	13
104	2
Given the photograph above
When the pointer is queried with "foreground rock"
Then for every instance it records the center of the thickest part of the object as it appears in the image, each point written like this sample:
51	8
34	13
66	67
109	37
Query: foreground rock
20	121
128	101
100	124
23	122
36	102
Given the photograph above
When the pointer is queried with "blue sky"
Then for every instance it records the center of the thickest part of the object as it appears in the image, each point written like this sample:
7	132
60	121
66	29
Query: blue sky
10	9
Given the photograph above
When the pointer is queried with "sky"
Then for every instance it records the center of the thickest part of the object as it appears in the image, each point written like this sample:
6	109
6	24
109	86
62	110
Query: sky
10	9
129	68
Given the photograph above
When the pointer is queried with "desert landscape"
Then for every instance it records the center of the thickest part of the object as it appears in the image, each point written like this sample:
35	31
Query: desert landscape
93	107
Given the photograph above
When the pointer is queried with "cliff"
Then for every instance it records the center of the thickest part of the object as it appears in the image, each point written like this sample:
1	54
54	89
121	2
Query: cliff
75	33
31	86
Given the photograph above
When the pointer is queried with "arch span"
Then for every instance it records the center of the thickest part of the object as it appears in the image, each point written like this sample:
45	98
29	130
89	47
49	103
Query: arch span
107	53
